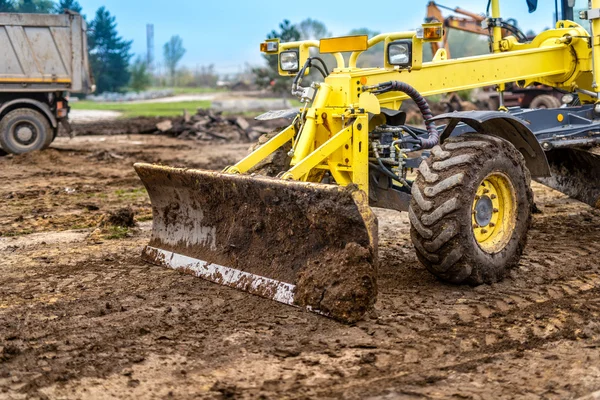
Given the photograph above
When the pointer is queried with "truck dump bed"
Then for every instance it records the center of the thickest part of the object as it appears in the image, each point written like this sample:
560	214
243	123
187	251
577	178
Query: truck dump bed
44	52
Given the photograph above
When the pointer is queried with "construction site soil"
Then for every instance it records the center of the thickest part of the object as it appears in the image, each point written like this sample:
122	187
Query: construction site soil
83	317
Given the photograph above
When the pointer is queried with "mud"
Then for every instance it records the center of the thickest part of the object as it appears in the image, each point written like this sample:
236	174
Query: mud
86	320
270	228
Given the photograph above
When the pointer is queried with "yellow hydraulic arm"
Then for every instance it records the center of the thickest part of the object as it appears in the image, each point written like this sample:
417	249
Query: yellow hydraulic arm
334	133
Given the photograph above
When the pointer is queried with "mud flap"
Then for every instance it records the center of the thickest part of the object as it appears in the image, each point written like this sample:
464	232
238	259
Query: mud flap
576	173
310	245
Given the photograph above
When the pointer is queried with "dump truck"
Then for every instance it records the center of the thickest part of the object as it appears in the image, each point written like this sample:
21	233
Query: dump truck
305	234
44	58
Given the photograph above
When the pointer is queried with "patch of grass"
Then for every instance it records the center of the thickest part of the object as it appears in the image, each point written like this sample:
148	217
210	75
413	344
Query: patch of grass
130	110
117	232
134	192
190	90
17	233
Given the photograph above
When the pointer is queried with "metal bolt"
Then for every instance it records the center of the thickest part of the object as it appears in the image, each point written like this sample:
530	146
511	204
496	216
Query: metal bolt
475	226
359	127
493	196
495	210
486	191
491	224
484	231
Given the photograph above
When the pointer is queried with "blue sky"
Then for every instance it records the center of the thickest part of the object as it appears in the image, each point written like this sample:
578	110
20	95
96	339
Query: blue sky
227	33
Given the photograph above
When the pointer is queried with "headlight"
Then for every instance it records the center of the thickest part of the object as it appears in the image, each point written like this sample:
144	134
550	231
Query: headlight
400	53
567	98
289	60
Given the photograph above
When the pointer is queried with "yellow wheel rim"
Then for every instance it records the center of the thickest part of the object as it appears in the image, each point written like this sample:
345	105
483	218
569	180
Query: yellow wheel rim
494	212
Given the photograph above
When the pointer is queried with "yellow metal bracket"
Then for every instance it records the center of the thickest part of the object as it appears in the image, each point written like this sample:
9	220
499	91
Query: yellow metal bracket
263	151
322	152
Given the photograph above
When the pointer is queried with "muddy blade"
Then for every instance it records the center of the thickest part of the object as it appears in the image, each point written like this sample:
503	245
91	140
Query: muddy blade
576	173
298	243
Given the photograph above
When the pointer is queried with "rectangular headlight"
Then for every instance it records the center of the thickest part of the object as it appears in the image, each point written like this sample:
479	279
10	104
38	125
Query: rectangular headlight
288	60
400	53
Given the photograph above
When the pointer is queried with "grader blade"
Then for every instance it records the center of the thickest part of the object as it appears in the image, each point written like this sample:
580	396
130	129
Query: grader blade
576	173
298	243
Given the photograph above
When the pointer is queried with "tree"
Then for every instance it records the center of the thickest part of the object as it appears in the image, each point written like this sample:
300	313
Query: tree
140	76
269	76
7	6
173	52
34	6
109	53
63	5
374	57
311	29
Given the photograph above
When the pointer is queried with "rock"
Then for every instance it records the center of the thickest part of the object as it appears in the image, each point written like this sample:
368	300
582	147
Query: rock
186	116
242	123
164	126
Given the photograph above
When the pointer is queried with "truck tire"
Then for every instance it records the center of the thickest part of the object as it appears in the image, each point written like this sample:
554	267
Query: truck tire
276	162
471	209
24	130
545	101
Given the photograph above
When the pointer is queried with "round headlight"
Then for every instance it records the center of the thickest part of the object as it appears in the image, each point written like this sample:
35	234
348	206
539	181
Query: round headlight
399	53
289	61
567	98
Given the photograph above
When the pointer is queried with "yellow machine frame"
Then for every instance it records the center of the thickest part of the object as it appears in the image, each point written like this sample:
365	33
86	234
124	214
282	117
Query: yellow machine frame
333	136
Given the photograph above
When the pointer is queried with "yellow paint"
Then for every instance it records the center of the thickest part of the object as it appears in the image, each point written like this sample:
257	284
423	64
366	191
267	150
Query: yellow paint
328	139
494	236
35	80
344	43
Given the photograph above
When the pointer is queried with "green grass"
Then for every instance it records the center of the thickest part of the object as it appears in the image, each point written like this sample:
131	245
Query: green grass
190	90
117	232
143	109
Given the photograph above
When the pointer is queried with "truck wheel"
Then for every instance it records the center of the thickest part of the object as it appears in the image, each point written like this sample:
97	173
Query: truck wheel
545	101
24	130
471	209
275	163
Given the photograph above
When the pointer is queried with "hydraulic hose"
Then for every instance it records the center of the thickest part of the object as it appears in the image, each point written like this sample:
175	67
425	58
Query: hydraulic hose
397	86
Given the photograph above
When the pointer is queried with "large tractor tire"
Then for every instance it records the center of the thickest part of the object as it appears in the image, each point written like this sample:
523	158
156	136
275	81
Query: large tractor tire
24	130
471	209
545	101
278	161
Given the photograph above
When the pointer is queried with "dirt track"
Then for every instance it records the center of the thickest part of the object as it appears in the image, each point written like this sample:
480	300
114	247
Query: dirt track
82	317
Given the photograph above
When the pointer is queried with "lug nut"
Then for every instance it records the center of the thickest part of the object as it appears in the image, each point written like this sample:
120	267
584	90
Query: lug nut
484	231
486	191
493	196
495	210
475	226
491	224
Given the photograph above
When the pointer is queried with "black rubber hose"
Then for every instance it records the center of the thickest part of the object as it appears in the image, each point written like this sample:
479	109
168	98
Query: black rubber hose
397	86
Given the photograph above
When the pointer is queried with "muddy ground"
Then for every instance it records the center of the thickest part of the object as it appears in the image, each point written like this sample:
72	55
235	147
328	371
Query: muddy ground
81	316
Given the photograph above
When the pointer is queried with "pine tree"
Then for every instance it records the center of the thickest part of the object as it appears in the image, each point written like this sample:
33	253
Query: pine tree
34	6
7	6
109	53
63	5
269	76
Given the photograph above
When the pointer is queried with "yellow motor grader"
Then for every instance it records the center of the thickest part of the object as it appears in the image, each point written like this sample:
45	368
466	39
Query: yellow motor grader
307	235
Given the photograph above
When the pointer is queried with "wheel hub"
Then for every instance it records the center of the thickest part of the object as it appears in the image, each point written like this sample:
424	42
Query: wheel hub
494	211
24	133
